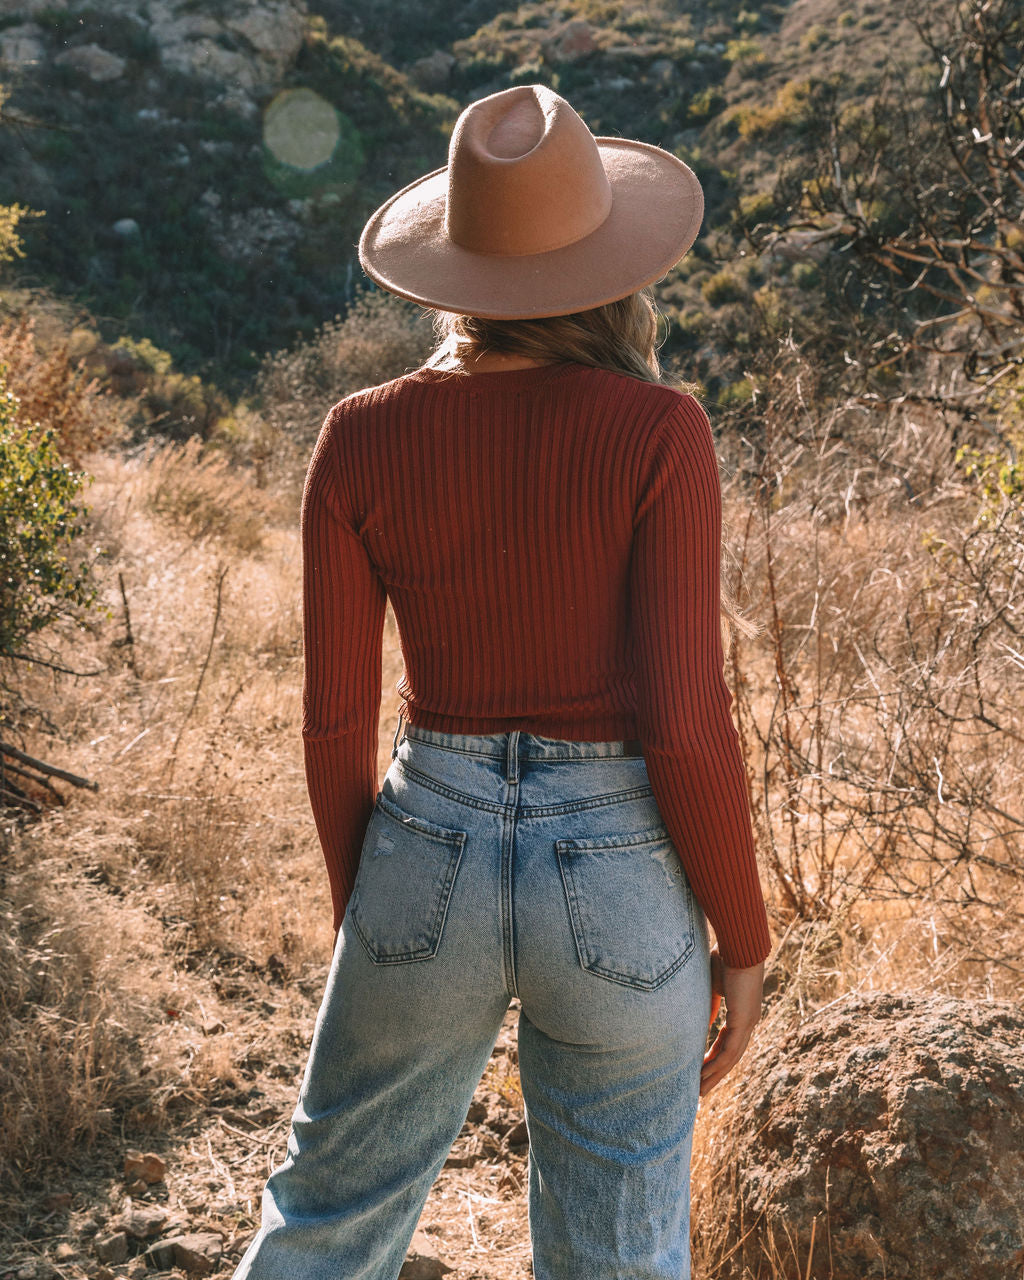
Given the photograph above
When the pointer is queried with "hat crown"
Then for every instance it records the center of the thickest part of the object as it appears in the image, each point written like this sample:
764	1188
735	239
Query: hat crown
525	175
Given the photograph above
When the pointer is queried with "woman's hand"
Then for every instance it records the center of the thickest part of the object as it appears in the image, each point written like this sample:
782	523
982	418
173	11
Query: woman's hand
741	989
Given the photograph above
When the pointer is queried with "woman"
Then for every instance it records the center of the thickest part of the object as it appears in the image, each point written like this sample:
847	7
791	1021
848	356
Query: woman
568	802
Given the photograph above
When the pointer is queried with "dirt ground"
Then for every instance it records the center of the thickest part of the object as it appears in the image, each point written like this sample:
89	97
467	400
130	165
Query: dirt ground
474	1225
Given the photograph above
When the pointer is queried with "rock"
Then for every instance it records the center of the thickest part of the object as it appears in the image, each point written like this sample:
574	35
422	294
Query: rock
896	1123
102	1273
90	1224
26	1272
198	1253
275	31
148	1168
143	1221
126	227
434	72
571	42
29	8
64	1252
662	70
247	46
422	1261
237	1245
97	63
22	46
137	1188
112	1248
160	1256
517	1136
45	1271
58	1201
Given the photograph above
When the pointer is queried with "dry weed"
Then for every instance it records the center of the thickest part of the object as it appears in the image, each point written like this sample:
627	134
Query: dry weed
202	496
78	1010
55	389
878	711
381	337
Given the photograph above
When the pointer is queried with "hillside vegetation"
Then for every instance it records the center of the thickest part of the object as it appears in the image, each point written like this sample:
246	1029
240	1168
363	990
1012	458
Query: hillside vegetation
856	322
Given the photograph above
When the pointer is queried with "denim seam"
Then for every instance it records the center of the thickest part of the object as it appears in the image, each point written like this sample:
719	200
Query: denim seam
471	802
508	835
525	755
524	811
461	751
580	806
617	840
422	826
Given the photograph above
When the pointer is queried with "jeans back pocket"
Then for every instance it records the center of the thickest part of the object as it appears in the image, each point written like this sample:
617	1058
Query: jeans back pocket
631	906
406	872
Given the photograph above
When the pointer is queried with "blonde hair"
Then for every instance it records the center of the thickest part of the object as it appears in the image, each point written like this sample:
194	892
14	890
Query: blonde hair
621	336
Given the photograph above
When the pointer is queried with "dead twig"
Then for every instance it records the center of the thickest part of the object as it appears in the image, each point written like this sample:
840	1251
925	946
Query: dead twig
51	770
202	673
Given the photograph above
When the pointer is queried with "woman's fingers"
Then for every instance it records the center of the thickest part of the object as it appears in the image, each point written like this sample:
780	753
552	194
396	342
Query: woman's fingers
742	991
723	1055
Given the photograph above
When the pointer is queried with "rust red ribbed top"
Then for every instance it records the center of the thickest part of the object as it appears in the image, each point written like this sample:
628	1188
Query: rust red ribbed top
550	541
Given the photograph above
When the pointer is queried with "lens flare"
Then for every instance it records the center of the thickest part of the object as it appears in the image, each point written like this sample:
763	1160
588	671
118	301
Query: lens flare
301	129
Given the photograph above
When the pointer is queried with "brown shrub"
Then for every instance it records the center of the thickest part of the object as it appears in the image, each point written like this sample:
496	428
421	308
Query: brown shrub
56	390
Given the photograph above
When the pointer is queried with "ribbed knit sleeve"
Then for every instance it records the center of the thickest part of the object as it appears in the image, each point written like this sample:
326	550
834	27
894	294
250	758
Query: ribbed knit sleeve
343	625
689	740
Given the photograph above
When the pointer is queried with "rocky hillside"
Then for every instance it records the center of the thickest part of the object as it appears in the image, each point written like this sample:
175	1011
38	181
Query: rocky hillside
204	171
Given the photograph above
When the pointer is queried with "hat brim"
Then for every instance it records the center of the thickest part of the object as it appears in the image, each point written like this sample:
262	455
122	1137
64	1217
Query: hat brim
657	207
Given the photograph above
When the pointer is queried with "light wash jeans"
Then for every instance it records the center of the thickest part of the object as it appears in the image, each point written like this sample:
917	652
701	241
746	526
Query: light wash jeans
500	866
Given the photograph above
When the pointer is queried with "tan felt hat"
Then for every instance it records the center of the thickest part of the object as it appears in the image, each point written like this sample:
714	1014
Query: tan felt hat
533	215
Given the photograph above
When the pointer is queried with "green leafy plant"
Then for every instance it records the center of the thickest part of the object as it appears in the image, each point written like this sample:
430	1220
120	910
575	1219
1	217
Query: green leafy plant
721	288
39	521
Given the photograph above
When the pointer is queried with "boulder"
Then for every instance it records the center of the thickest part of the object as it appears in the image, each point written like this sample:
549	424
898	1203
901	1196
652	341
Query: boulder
29	8
21	46
274	31
434	72
892	1127
246	44
571	42
94	61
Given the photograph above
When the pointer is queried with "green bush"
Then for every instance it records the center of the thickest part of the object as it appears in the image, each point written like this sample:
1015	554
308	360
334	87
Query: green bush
39	516
705	103
721	288
814	37
758	207
735	395
747	53
806	275
794	104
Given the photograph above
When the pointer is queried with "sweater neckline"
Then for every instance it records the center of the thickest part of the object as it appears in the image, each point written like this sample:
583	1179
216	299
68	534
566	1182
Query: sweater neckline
496	379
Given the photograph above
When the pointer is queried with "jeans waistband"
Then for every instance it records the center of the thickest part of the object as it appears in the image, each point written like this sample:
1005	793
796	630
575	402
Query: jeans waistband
516	742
